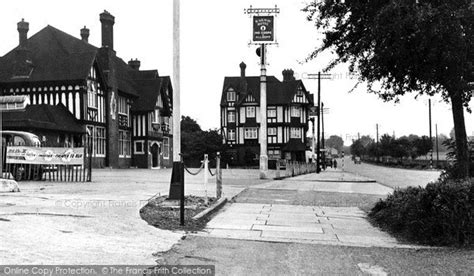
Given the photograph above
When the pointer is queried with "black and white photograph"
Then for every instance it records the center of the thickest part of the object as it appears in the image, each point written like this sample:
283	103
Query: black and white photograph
225	137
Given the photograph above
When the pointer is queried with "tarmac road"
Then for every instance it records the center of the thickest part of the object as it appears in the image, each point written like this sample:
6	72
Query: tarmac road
97	222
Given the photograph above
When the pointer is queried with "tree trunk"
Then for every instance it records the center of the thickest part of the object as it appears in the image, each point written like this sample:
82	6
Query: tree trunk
462	153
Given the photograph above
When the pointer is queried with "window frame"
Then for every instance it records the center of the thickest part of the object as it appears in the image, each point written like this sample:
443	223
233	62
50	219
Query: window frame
295	111
250	111
135	143
250	133
231	96
295	133
229	117
231	137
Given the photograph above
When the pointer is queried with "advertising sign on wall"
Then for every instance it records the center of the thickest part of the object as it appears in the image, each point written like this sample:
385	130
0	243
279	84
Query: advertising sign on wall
45	156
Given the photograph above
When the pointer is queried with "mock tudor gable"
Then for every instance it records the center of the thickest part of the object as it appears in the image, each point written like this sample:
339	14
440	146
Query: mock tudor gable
102	93
288	104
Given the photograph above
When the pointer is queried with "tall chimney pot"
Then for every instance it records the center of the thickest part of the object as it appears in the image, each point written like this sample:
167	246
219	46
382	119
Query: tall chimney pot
242	69
134	63
107	21
23	28
85	34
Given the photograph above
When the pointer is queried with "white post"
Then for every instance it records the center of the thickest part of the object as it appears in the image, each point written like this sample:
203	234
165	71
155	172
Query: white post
206	177
176	84
263	115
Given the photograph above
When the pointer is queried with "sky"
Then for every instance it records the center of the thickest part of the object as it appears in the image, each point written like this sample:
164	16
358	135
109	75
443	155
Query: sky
215	36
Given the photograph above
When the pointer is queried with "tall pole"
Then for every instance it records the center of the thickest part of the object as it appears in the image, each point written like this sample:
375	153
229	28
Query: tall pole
437	150
314	140
176	191
431	138
318	154
176	84
322	136
377	144
263	115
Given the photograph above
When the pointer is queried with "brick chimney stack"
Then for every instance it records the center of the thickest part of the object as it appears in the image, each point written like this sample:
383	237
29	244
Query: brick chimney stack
134	63
23	28
107	21
242	69
288	75
85	34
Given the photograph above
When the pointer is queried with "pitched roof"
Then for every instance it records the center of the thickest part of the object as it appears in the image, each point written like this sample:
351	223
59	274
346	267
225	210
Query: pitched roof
149	91
51	55
278	92
43	116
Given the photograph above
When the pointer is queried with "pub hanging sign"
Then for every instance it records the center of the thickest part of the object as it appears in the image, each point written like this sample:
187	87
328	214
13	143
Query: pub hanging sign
263	29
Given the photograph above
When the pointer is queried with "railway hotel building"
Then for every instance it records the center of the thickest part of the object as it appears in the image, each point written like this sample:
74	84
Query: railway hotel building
124	111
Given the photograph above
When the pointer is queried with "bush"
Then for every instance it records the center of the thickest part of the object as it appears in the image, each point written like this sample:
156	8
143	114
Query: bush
440	214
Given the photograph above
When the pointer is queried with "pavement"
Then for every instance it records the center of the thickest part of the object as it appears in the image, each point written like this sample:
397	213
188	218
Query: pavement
280	222
310	225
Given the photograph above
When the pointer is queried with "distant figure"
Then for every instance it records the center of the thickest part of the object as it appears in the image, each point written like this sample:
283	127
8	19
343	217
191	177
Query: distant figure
334	163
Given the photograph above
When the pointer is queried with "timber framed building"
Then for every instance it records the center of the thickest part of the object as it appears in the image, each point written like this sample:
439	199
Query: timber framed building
288	104
124	111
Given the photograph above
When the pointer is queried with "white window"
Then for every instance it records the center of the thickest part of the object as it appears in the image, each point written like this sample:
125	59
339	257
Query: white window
166	148
96	136
99	140
231	96
272	131
295	132
231	116
231	134
250	133
156	116
271	112
274	154
122	106
92	94
124	143
139	147
250	111
295	111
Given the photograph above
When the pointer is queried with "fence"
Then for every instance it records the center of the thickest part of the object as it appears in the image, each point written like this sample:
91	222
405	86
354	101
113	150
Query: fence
49	164
205	167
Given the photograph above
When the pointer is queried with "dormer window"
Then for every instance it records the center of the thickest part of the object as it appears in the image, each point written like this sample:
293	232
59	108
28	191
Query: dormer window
231	95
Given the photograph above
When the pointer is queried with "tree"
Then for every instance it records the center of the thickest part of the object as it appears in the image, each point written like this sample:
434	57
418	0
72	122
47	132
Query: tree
196	142
336	142
403	46
357	149
423	145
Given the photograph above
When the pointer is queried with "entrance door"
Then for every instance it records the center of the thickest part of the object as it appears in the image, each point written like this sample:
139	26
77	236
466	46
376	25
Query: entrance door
155	155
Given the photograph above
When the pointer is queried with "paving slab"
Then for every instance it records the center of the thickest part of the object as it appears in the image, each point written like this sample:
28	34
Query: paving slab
298	236
302	224
293	229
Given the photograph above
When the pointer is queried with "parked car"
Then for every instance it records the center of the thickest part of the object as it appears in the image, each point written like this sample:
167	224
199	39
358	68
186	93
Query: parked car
20	171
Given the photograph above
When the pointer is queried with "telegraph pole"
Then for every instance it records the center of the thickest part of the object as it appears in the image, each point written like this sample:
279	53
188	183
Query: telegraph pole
431	138
318	149
322	136
437	150
377	144
319	76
